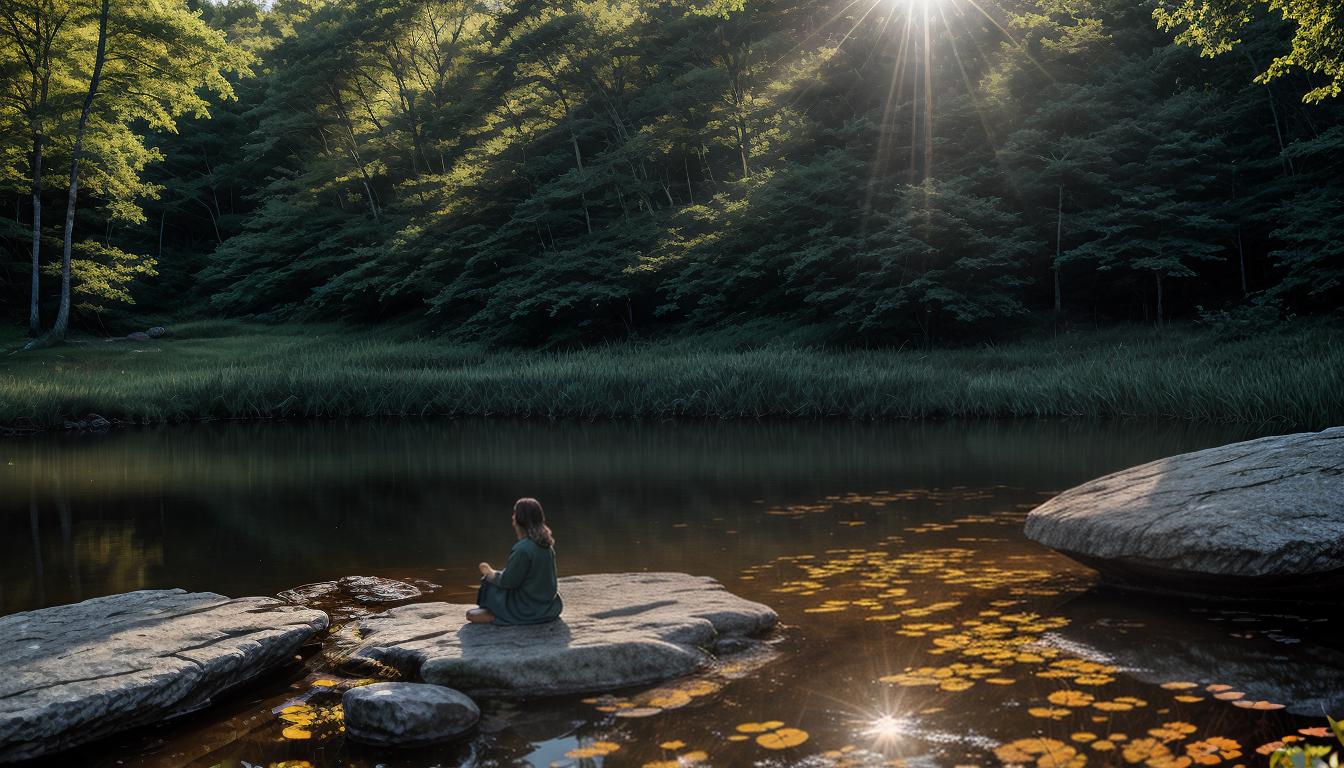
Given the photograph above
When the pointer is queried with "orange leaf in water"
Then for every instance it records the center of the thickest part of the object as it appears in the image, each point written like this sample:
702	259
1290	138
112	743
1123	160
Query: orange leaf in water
1213	750
1263	706
1228	695
638	712
1071	698
1173	731
783	738
1179	686
1320	732
1043	752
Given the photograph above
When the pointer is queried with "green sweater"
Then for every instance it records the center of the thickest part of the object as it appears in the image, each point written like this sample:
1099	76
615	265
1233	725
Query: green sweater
525	592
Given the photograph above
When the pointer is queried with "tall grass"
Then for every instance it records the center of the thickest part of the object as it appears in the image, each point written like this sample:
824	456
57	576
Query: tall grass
1294	378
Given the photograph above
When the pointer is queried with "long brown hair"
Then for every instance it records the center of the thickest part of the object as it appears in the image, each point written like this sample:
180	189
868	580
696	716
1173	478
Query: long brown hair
531	520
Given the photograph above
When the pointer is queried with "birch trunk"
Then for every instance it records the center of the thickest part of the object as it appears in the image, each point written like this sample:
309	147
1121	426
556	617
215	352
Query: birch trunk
63	313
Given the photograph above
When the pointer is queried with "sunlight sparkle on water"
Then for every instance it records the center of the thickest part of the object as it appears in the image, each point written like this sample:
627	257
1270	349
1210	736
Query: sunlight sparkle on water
888	728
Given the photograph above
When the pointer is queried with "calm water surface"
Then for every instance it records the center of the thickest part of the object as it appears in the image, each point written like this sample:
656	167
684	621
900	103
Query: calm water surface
918	626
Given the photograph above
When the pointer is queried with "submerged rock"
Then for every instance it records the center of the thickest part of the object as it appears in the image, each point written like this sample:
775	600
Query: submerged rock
76	673
353	596
364	589
407	714
618	630
1262	515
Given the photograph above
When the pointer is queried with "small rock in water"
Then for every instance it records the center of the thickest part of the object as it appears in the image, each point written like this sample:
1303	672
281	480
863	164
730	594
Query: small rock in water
371	589
365	589
352	595
407	714
138	336
156	332
93	421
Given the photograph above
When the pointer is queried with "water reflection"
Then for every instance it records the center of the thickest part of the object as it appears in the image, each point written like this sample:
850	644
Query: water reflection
258	508
919	627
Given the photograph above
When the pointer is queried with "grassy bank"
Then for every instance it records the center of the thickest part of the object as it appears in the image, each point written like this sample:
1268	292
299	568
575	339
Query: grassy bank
1294	377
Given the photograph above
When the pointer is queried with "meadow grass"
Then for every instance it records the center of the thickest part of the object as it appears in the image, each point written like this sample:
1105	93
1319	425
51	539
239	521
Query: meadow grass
1293	377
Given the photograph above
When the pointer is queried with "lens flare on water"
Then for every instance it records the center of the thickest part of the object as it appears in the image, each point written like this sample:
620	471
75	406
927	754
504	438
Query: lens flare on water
887	729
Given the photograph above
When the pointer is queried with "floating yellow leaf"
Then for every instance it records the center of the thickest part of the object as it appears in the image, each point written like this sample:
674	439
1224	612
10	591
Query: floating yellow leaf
1054	713
296	733
1186	699
596	749
701	688
324	683
673	745
1213	750
1069	698
1042	752
1145	750
1083	737
1173	731
783	738
1179	686
638	712
668	698
1257	705
768	725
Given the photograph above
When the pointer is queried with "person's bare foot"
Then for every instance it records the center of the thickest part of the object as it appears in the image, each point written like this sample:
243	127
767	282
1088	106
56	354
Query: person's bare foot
480	616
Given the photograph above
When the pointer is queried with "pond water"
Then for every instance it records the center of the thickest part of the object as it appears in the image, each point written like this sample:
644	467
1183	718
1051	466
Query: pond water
918	626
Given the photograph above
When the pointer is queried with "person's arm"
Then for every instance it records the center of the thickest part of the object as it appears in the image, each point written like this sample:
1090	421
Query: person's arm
515	570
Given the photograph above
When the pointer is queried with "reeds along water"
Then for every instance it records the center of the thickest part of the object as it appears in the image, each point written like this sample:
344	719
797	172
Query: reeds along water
1290	378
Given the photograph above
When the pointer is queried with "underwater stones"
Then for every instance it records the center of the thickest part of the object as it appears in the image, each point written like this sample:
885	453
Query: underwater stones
76	673
364	589
407	714
618	630
1259	516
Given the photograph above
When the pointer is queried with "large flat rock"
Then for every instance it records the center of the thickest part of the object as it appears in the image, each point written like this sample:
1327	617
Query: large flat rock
1259	516
618	630
75	673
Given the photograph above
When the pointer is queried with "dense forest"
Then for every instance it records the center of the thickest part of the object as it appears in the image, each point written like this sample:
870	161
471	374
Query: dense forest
550	173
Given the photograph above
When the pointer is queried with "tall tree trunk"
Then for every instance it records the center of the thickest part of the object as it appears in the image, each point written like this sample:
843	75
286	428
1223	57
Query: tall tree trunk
34	318
690	190
63	313
583	196
1158	276
1241	260
1059	239
354	150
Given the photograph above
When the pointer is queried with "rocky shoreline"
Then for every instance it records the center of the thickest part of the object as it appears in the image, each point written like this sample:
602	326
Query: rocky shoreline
89	670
